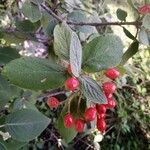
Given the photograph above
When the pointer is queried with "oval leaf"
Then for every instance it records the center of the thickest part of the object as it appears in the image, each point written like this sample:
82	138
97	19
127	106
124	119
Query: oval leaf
144	36
5	92
7	54
2	146
92	91
68	134
102	52
146	21
62	39
25	125
121	14
128	34
35	73
133	49
31	11
75	55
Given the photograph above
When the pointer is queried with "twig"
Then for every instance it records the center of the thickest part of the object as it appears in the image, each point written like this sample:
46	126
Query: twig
52	93
135	23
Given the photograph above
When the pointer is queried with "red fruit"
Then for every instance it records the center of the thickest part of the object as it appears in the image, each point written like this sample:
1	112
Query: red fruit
69	69
112	73
101	116
90	114
109	87
79	125
111	103
108	95
101	124
144	9
101	109
53	102
68	121
72	83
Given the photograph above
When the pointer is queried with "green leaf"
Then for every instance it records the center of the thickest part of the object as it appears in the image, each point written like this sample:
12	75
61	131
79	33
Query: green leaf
5	92
144	36
35	73
27	26
147	1
11	144
102	52
146	21
91	90
2	146
75	55
128	34
68	134
31	11
62	39
25	125
79	16
121	14
48	23
7	54
132	50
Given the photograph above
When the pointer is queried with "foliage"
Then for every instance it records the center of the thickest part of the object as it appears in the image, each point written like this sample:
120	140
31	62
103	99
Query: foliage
65	33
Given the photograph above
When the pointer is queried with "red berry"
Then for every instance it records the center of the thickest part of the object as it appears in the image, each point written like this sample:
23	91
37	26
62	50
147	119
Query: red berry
108	95
101	124
53	102
90	114
72	83
68	121
101	109
109	87
79	125
69	69
111	103
144	9
112	73
101	116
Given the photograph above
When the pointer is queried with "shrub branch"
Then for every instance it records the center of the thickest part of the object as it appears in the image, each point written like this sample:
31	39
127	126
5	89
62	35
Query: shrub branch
135	23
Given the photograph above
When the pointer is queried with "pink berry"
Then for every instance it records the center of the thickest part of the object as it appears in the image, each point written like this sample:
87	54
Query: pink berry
90	114
68	121
109	87
144	9
101	125
111	103
79	125
112	73
53	102
101	109
72	83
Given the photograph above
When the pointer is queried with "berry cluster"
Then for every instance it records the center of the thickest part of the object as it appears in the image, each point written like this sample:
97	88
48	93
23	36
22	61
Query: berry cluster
98	111
95	112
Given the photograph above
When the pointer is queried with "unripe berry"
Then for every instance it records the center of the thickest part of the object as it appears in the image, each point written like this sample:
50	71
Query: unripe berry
101	109
79	125
112	73
68	121
111	103
144	9
72	83
69	69
101	125
53	102
109	87
90	114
